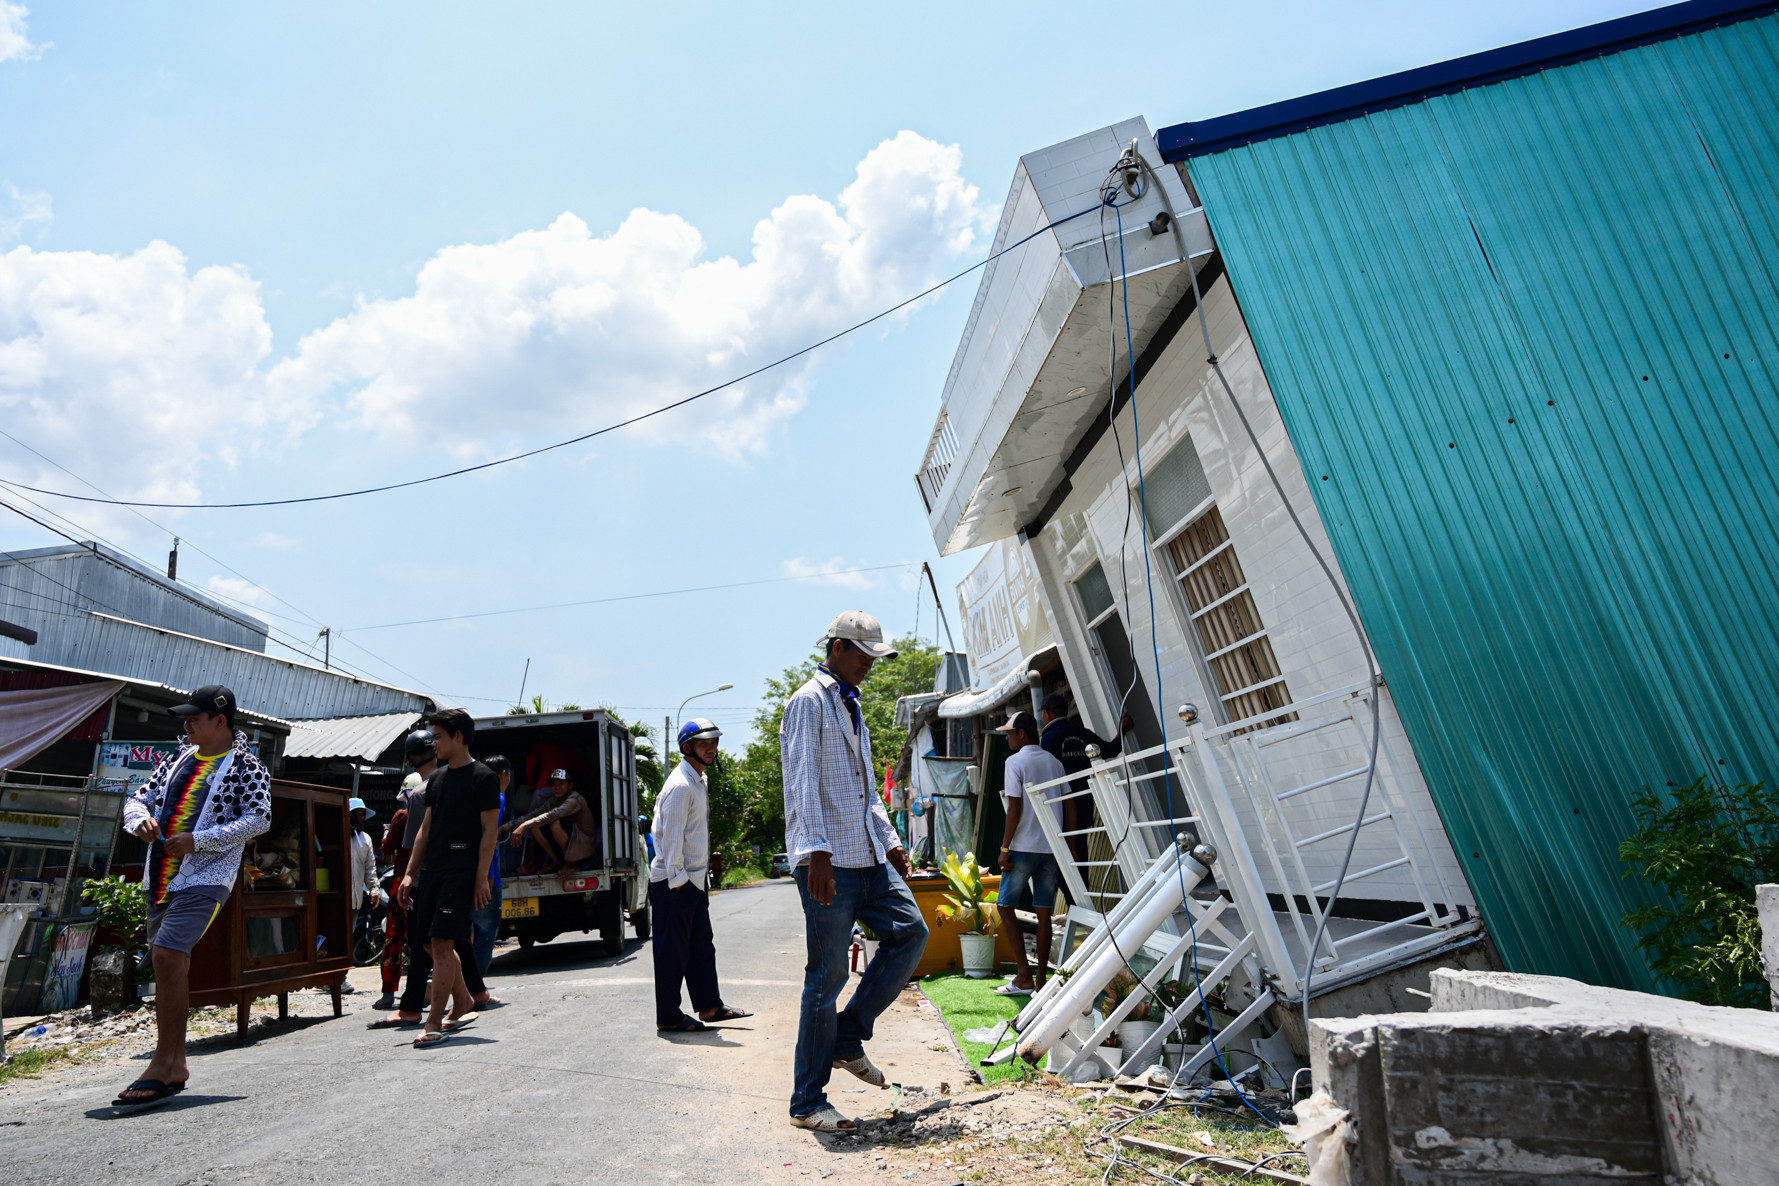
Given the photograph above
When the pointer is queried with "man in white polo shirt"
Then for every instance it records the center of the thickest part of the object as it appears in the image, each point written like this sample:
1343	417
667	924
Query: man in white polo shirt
1026	858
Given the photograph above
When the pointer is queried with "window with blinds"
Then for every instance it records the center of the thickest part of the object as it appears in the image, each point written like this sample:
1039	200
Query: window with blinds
1235	642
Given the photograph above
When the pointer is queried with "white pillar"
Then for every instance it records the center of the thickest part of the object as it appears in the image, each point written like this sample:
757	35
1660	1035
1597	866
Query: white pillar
1766	901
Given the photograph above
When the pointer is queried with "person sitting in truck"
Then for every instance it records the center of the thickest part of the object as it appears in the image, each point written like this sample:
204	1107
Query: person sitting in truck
563	828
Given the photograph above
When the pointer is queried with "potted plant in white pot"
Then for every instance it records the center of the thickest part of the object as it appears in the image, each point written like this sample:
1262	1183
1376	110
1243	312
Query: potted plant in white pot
968	903
1140	1023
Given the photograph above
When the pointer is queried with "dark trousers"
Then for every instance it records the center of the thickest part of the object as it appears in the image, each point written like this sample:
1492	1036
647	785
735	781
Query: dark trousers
415	999
685	950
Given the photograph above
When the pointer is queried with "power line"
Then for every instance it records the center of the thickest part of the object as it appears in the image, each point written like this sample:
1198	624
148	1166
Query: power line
529	609
307	651
598	432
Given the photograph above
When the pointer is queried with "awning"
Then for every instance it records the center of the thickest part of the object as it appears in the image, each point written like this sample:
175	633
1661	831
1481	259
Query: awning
33	719
970	704
347	737
908	706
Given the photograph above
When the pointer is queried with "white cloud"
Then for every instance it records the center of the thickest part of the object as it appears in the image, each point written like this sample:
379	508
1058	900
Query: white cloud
27	208
15	46
238	590
281	543
829	572
122	367
559	330
129	369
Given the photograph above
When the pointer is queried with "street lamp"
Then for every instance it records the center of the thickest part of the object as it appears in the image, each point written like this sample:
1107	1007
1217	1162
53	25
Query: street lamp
689	699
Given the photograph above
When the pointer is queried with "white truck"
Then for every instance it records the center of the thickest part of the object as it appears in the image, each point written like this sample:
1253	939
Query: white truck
599	894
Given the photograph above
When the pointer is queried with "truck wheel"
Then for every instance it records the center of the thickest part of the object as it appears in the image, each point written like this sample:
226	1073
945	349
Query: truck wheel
611	923
525	942
640	920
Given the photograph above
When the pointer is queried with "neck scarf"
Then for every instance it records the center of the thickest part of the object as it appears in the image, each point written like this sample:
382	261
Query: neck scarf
849	696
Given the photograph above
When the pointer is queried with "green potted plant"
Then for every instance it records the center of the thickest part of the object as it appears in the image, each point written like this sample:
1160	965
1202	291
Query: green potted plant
120	933
970	904
1141	1022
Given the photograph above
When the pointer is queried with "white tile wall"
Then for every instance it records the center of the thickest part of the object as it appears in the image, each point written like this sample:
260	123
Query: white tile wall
1311	634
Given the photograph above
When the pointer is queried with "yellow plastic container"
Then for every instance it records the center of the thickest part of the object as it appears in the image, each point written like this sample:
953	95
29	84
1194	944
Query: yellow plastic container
944	952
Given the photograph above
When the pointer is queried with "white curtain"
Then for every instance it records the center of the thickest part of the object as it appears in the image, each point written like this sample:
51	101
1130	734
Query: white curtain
32	719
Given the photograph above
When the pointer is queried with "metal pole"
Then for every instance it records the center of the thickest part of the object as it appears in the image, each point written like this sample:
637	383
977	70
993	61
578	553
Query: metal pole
522	681
696	696
938	605
74	855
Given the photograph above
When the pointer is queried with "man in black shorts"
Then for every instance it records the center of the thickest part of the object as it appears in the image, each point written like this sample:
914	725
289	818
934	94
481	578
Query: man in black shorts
447	876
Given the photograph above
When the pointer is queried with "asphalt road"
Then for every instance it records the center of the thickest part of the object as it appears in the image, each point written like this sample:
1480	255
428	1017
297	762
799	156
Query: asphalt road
568	1083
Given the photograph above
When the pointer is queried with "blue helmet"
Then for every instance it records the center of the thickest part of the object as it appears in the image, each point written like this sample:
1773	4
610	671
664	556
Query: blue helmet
697	729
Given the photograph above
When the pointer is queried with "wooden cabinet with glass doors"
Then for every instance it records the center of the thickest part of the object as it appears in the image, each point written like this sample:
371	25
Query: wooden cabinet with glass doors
288	925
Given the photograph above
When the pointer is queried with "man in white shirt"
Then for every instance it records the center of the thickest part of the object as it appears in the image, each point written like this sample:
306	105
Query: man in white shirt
1026	858
849	864
685	949
363	885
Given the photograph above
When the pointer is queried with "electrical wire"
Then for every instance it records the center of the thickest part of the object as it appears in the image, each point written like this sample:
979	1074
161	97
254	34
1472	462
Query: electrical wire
1126	175
528	609
1340	593
587	436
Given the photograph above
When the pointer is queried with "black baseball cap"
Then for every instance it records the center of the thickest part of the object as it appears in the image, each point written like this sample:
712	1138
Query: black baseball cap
1021	721
209	698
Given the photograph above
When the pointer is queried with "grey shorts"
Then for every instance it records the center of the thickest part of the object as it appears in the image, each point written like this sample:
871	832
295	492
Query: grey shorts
1040	870
182	920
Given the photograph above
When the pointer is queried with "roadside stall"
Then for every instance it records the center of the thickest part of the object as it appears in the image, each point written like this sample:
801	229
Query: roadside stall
288	925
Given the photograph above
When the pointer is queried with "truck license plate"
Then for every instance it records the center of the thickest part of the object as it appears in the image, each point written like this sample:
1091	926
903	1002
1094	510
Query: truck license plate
519	908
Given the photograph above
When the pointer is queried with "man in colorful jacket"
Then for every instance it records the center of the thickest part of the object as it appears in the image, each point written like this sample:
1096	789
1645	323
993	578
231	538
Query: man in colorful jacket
197	811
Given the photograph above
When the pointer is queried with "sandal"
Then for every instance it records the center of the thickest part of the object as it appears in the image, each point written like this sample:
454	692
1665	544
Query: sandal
394	1023
431	1038
825	1120
864	1068
1013	990
453	1024
160	1094
727	1014
686	1025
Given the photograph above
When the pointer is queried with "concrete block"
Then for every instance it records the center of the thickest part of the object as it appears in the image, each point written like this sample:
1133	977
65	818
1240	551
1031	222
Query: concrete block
1513	1078
1766	901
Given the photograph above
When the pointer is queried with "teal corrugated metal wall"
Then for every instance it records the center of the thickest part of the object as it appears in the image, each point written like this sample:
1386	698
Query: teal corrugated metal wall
1528	333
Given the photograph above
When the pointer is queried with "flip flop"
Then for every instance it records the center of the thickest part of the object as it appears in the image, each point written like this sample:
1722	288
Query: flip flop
825	1120
490	1003
430	1039
162	1093
687	1025
727	1014
453	1024
392	1023
1009	990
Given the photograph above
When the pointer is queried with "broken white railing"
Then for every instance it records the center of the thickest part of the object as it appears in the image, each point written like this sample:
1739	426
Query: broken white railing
1277	805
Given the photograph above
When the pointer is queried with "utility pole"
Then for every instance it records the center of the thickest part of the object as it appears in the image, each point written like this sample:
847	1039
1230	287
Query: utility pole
522	682
938	605
327	647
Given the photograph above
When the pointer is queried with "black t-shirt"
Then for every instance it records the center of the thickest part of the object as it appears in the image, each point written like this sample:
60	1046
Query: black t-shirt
455	801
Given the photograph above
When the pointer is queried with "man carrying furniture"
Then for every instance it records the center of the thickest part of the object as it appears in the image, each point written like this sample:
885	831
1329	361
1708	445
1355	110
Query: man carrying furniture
849	866
1026	858
197	810
685	949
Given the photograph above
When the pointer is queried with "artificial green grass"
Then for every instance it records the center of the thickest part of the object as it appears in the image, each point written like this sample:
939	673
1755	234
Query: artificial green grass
966	1004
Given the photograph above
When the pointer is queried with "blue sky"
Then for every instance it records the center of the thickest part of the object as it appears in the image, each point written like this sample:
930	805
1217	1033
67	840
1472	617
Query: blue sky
268	250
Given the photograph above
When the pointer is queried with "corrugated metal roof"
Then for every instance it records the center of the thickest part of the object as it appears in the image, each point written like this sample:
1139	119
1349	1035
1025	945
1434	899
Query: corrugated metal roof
348	737
1187	140
50	589
156	691
278	687
1524	338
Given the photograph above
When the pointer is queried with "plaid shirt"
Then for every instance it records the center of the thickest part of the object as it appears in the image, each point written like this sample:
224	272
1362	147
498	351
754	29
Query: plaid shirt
830	792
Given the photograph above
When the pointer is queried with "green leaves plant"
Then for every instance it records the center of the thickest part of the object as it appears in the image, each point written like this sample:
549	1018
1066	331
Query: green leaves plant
1705	848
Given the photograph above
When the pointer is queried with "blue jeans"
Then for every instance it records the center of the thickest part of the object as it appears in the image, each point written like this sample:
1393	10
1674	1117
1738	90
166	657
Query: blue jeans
485	924
879	898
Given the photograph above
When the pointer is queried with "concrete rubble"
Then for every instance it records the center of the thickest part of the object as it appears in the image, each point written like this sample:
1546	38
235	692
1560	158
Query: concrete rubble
1521	1079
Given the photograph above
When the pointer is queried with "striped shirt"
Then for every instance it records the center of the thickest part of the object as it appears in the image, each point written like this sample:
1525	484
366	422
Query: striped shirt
179	813
830	793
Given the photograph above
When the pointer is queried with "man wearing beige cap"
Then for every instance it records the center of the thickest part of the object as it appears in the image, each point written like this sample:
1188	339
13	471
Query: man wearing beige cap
849	867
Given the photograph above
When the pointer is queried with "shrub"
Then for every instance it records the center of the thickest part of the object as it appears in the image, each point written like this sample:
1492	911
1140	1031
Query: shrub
1705	848
123	912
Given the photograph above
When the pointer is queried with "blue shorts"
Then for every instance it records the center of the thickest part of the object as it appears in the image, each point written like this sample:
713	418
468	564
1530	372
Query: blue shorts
1037	869
181	921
